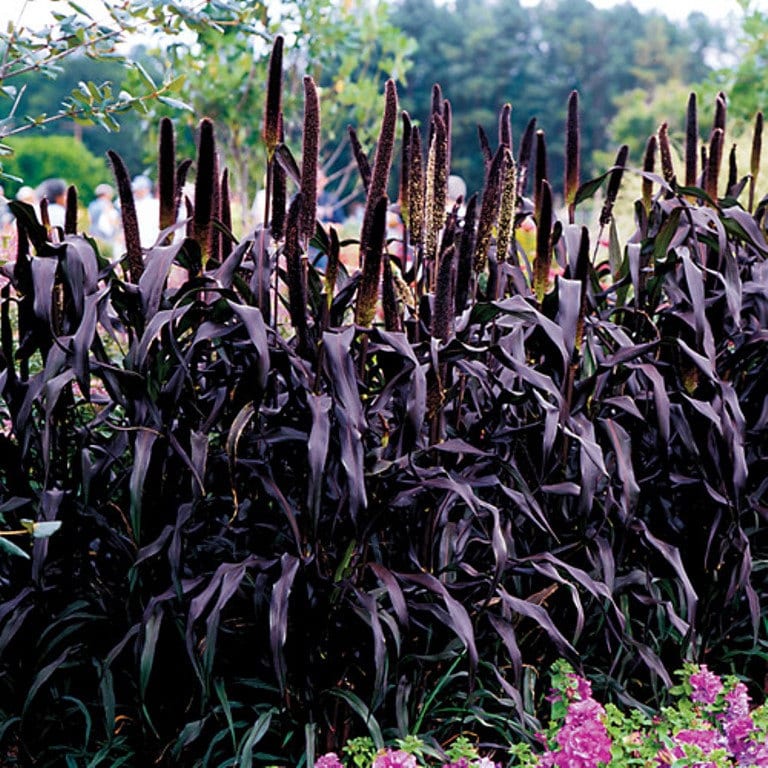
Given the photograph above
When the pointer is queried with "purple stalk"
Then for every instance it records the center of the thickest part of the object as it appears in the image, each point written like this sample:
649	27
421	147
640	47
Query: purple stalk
691	142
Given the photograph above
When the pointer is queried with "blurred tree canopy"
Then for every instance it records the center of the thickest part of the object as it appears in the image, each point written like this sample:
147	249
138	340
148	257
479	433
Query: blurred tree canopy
27	55
486	54
746	84
350	48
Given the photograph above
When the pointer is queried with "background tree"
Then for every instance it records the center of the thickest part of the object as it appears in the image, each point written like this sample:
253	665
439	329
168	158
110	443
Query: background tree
28	55
745	81
349	48
487	54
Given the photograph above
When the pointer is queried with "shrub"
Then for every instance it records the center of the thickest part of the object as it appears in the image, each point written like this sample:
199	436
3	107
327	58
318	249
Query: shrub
299	506
36	158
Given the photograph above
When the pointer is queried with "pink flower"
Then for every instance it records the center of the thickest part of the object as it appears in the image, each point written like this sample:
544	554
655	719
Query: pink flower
580	712
706	686
739	734
754	755
583	687
583	740
328	760
738	701
707	740
484	762
395	759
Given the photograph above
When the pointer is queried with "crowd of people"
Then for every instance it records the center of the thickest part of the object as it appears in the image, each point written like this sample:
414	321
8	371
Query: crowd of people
103	213
104	221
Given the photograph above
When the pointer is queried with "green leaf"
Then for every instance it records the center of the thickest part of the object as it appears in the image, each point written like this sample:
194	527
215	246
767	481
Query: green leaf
145	76
358	705
80	9
11	548
174	103
42	676
588	188
255	735
175	85
221	692
665	236
86	716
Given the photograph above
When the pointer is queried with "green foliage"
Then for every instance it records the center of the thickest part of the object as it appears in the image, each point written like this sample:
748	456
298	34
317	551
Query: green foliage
640	112
694	729
37	52
36	158
360	751
744	81
41	94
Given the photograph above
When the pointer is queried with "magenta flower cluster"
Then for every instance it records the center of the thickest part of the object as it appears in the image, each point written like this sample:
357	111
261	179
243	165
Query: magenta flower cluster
706	686
582	741
743	741
398	758
714	728
395	758
329	760
727	725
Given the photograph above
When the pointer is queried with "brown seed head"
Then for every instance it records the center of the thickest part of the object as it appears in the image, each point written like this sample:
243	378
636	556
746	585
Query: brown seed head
310	152
667	167
271	130
649	163
572	155
543	259
506	207
166	174
489	210
416	192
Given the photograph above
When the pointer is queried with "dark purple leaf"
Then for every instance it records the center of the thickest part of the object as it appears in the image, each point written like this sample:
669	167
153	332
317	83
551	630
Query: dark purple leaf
459	620
540	615
349	413
278	614
317	448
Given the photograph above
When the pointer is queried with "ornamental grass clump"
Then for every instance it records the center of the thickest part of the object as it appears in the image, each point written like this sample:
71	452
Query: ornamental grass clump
304	505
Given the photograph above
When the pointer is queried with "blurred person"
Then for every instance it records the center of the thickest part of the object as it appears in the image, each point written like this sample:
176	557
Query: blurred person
457	191
4	210
147	210
329	211
7	230
55	192
27	195
103	216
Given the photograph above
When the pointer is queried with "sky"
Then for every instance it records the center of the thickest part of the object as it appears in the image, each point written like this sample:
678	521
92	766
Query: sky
678	10
36	12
